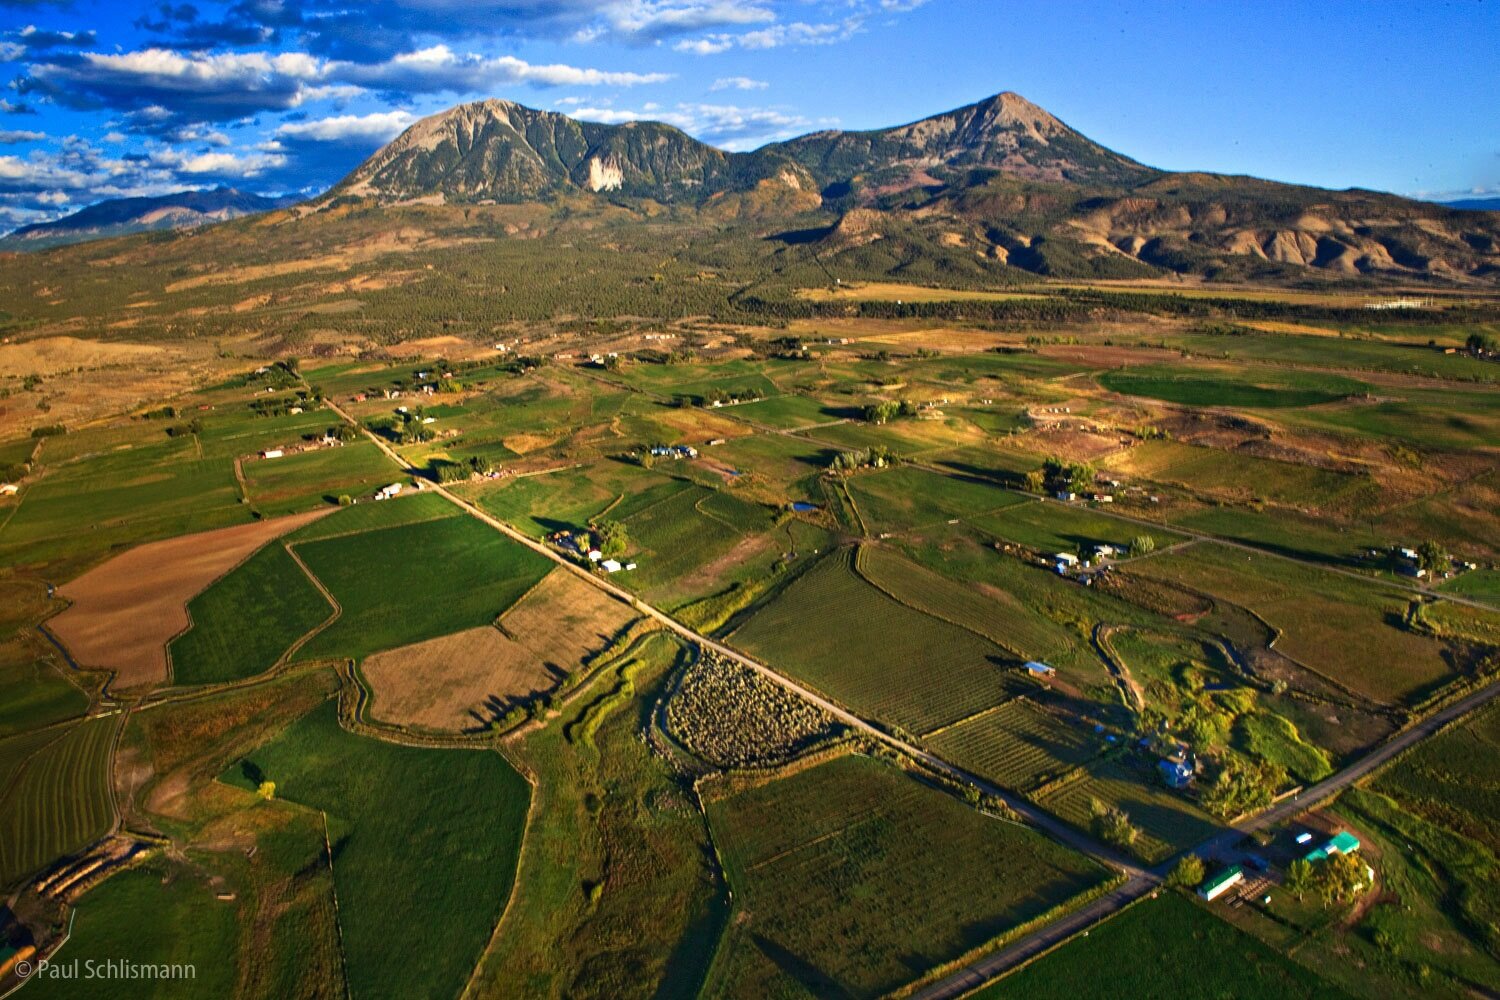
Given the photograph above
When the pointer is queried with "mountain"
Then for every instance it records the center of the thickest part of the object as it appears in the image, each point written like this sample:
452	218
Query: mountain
1005	132
120	216
496	150
996	184
1475	204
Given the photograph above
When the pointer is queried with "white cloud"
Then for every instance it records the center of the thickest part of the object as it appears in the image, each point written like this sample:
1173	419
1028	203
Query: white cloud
380	126
772	37
440	69
9	136
722	124
738	83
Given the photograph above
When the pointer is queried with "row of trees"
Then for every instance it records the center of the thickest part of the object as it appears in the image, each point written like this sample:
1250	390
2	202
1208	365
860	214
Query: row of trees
885	410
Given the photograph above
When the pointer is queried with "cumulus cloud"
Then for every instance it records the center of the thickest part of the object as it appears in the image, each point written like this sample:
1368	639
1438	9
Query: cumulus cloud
12	136
161	89
438	69
378	127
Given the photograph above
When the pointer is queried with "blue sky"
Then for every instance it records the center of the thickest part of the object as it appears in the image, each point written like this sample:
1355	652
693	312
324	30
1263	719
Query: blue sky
107	98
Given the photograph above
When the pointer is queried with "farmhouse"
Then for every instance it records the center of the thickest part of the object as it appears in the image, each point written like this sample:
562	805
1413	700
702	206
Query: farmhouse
1222	882
387	492
1177	772
611	566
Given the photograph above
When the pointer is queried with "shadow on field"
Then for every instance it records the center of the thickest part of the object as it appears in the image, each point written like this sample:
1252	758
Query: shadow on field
813	979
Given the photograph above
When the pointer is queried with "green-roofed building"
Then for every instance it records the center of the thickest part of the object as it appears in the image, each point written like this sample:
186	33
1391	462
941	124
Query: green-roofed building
1342	842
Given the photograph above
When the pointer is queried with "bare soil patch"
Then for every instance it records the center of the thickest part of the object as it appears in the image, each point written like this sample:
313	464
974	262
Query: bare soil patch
468	679
125	611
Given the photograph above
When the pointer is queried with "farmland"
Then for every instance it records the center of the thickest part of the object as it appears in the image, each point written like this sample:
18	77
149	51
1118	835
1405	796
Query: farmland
846	877
404	843
845	637
462	571
468	679
531	785
1339	627
1177	933
54	794
244	621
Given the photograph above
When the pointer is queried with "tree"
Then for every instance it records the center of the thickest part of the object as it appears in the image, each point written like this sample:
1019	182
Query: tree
1188	872
1299	877
1340	878
1142	545
1432	557
266	790
1480	343
1036	481
611	537
1112	825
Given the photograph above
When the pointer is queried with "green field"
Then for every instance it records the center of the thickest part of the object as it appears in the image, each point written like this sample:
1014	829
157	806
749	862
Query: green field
786	412
32	691
600	860
247	619
852	879
55	795
1482	584
1168	823
431	835
296	482
840	634
416	581
1019	745
992	614
1053	527
1257	388
907	497
1168	946
409	508
187	926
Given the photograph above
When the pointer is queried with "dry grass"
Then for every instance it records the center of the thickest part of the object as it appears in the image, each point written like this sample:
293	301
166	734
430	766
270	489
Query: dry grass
125	611
893	291
467	679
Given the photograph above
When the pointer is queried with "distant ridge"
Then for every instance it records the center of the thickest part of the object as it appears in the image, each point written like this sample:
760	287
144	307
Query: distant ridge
121	216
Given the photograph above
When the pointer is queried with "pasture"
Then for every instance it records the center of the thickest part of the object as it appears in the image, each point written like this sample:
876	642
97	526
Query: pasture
400	585
123	613
1453	779
33	690
845	637
308	478
852	879
988	612
408	508
907	497
247	619
1053	527
1162	947
431	835
187	926
55	795
787	412
1241	387
1343	628
1238	476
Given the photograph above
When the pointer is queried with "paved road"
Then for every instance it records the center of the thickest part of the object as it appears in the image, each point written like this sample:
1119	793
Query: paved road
977	973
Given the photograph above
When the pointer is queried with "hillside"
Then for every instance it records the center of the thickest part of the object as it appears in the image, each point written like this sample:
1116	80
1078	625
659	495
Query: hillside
122	216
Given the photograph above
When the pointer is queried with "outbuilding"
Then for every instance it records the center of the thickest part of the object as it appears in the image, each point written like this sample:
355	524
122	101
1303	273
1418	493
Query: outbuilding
1222	882
1037	668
